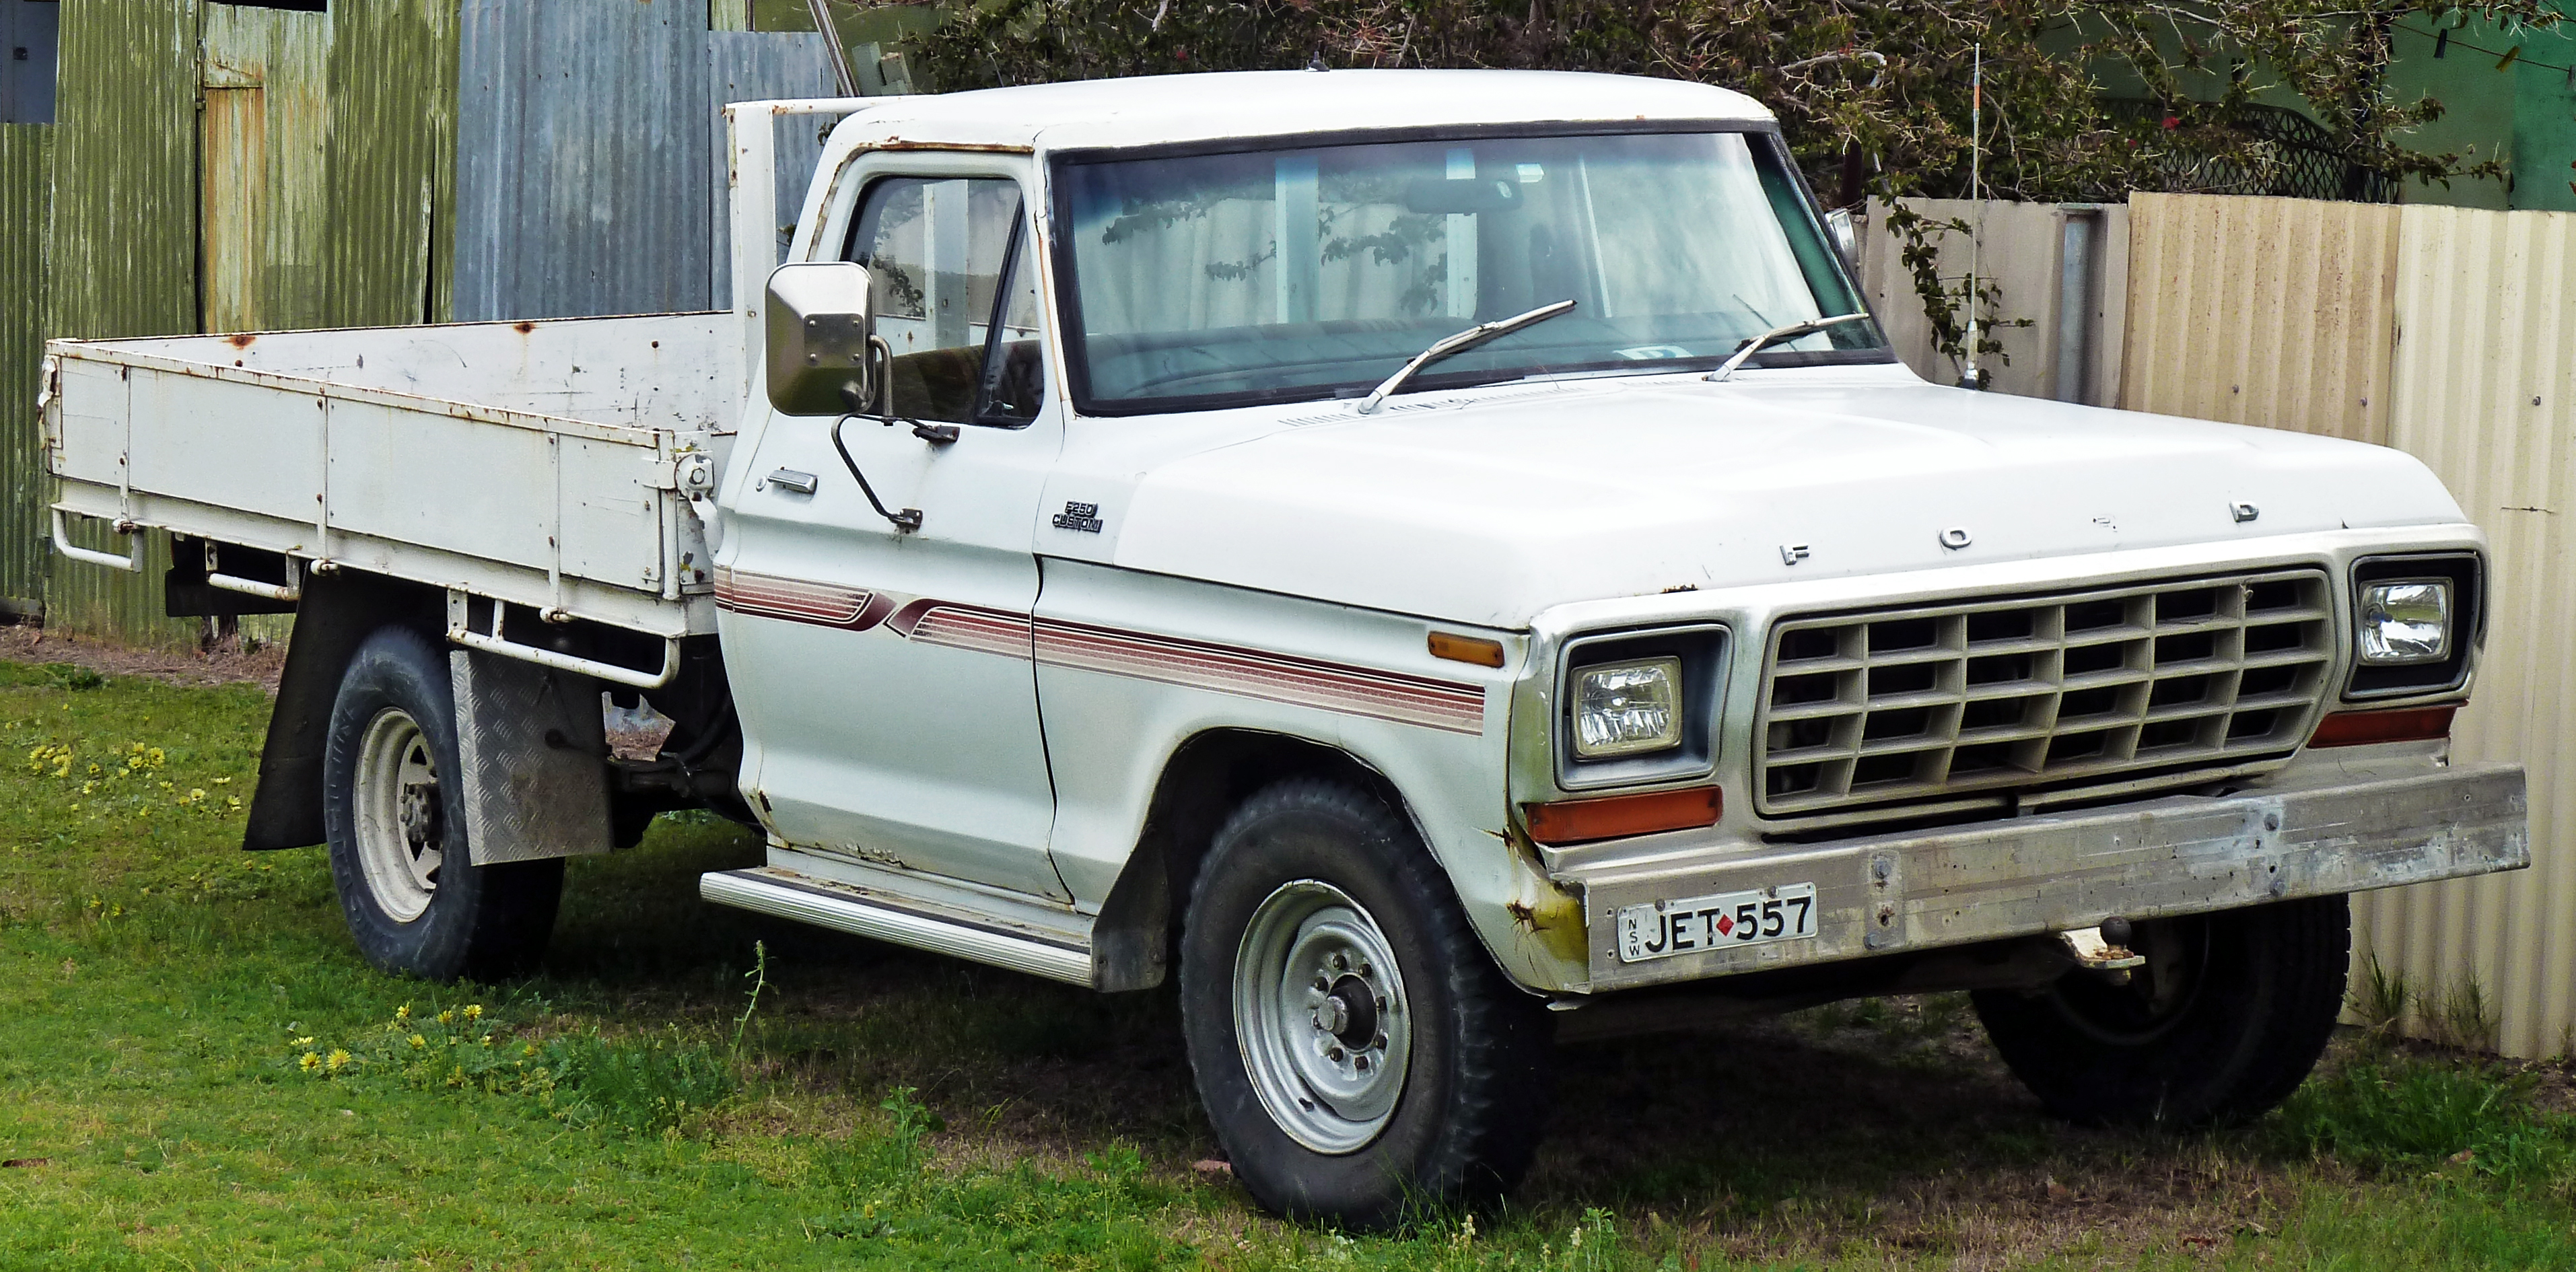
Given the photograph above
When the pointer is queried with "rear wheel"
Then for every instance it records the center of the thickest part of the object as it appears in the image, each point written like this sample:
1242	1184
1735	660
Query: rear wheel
2223	1022
1357	1050
393	810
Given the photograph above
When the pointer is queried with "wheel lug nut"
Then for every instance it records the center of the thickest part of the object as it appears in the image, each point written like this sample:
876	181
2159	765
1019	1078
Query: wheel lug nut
1335	1054
1361	1063
1340	963
1366	970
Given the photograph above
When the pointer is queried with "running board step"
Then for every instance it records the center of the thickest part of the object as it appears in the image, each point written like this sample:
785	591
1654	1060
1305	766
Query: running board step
869	912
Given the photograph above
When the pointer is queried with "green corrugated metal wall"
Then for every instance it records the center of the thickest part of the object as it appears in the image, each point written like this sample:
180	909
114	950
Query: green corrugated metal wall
128	182
393	161
124	241
26	200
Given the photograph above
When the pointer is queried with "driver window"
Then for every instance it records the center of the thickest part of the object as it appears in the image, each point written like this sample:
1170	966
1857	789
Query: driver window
953	301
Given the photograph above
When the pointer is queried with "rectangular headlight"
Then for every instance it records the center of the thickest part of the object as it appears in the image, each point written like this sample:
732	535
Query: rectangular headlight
1628	708
2405	621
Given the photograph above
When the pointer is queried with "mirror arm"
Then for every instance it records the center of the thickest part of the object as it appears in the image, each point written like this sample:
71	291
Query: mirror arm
935	434
906	520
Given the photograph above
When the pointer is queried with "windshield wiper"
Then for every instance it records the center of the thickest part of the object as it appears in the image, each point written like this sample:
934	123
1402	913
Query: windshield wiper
1790	332
1459	343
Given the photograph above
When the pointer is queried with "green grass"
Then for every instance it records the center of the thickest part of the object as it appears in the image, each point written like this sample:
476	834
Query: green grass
210	1077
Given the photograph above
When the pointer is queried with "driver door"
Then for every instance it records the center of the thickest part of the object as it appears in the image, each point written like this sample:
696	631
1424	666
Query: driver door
886	685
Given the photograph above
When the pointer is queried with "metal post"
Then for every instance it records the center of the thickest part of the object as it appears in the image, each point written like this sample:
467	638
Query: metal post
841	73
2079	246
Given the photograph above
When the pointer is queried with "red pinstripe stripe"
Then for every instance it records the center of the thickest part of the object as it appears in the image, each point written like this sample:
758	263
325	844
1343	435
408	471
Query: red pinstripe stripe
1250	673
796	599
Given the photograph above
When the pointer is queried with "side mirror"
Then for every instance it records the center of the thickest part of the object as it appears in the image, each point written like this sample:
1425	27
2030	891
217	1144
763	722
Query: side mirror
821	333
1839	221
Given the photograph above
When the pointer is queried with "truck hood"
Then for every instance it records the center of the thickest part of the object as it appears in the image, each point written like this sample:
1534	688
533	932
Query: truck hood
1489	510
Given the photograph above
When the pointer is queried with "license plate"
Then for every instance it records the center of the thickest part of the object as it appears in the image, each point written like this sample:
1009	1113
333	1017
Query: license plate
1724	920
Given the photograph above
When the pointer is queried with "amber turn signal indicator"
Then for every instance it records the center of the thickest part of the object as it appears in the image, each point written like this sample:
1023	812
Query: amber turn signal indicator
2409	724
1584	820
1467	649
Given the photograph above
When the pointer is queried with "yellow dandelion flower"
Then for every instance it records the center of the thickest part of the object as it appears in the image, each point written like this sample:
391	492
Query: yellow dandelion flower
223	781
310	1062
474	1011
301	1042
418	1041
153	757
403	1012
339	1060
447	1017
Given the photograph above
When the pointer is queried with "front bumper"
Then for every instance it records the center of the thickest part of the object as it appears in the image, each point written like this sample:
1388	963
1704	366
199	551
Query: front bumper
2033	875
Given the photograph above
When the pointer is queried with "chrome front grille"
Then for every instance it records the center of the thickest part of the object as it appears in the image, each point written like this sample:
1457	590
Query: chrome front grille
1954	699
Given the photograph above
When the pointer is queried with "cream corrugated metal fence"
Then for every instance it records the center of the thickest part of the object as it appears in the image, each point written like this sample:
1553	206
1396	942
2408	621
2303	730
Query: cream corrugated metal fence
2261	311
2445	332
2485	311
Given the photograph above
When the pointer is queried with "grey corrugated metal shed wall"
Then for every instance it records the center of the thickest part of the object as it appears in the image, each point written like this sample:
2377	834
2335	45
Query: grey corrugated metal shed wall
745	67
26	200
582	124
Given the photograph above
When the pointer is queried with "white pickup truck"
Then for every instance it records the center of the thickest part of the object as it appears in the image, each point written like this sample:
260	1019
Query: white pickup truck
1441	561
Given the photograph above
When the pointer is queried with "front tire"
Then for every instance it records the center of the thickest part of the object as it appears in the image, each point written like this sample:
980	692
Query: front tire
1355	1047
2225	1020
394	812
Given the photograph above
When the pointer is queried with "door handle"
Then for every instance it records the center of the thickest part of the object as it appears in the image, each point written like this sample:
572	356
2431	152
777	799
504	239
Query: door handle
790	479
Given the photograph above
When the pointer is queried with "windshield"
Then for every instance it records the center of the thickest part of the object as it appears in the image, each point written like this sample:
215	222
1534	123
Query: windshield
1281	275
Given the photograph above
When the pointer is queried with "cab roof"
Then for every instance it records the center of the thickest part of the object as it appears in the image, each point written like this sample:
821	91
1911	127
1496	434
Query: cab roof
1161	109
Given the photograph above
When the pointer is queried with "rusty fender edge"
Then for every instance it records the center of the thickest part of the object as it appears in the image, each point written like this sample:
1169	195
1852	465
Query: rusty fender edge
2031	875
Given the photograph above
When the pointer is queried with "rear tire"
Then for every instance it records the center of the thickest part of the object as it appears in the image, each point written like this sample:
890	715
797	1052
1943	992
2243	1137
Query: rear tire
396	821
1361	1056
2225	1020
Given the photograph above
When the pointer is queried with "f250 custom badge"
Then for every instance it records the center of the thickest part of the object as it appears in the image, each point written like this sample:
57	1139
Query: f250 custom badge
1084	517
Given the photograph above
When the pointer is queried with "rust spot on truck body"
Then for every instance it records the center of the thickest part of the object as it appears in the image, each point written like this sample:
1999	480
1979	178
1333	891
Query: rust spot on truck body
975	147
242	341
523	326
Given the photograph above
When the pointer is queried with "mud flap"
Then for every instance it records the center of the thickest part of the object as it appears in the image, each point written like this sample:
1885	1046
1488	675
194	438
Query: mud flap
535	751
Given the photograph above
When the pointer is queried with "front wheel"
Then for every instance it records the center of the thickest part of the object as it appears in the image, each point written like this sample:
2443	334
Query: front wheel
393	809
1357	1050
2223	1022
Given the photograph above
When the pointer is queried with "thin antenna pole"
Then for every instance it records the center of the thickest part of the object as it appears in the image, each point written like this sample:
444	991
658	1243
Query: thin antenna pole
1976	173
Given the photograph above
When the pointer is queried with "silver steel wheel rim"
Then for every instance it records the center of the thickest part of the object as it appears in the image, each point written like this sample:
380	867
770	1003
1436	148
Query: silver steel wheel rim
401	841
1321	1017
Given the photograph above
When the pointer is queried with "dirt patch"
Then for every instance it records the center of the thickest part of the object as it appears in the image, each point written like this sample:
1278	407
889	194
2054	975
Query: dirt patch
211	667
